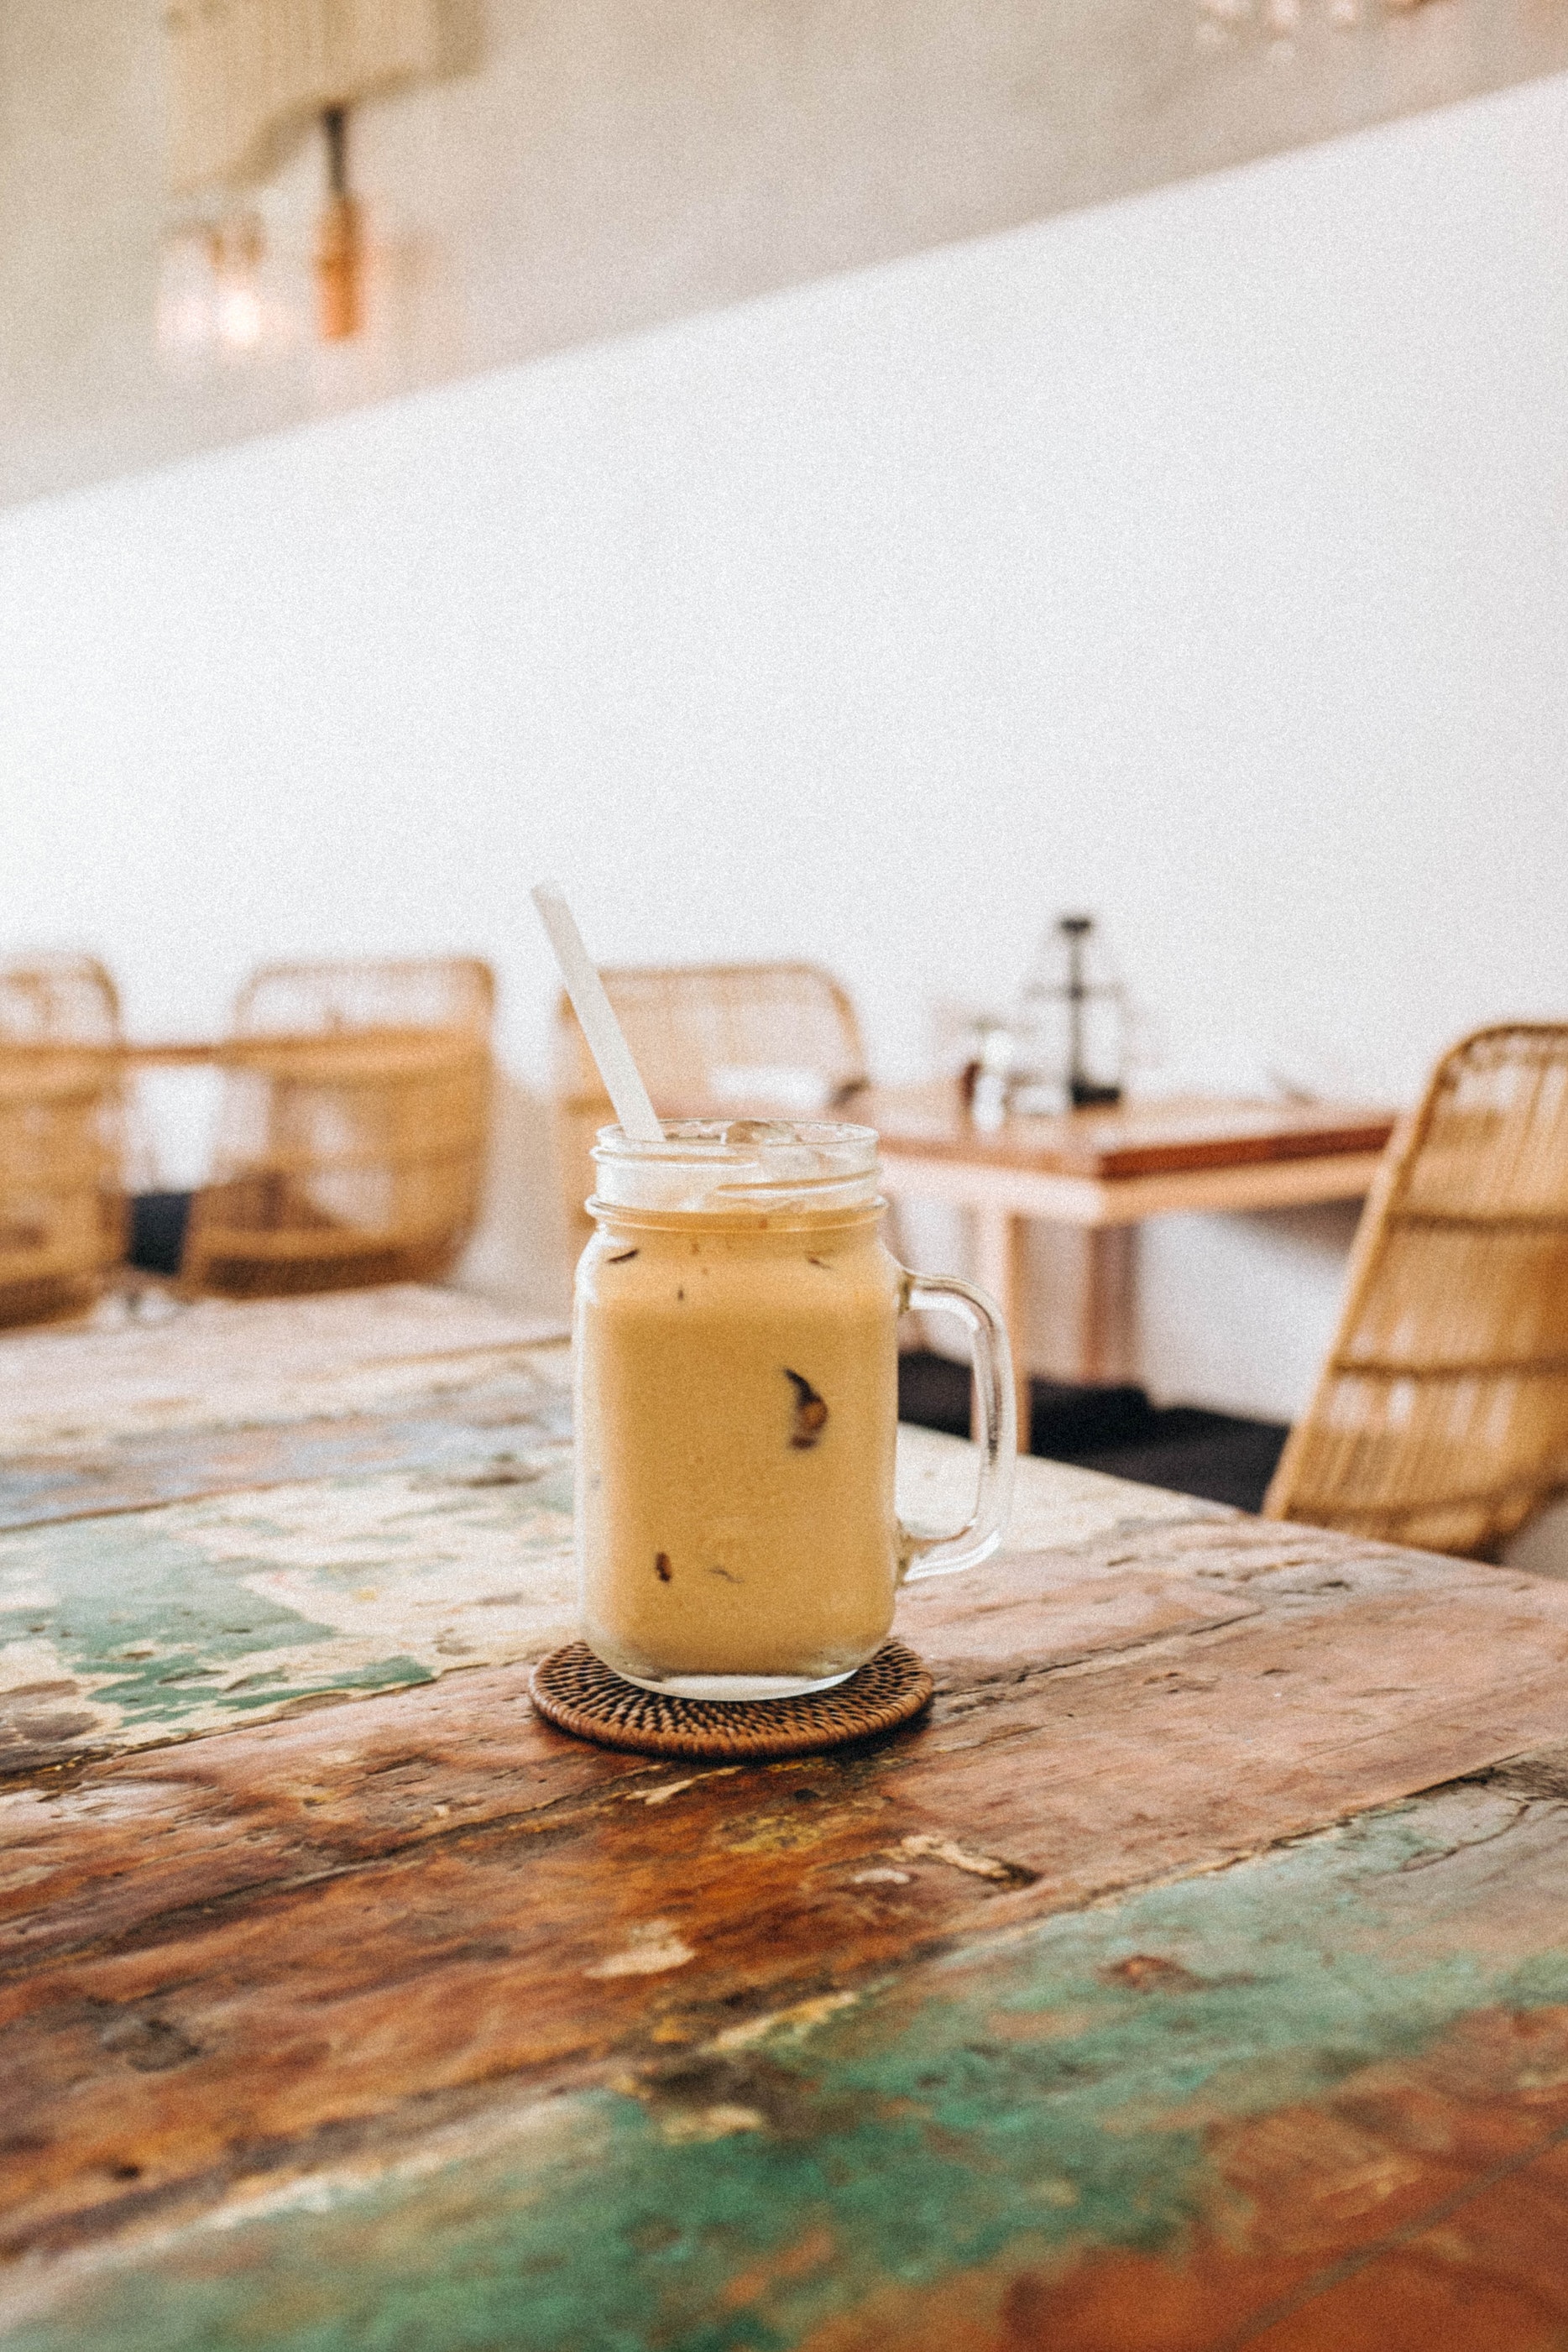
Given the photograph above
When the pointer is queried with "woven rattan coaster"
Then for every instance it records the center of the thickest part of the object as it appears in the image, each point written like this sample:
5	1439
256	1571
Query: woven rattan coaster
579	1693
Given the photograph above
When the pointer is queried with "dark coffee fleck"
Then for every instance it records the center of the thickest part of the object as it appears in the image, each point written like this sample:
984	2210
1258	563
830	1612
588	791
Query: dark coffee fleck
661	1567
810	1412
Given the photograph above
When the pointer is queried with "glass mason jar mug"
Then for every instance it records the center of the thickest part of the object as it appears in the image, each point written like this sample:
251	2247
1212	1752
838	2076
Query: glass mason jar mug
736	1368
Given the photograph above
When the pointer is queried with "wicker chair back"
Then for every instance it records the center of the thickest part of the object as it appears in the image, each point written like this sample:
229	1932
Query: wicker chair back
1441	1416
353	1129
62	1137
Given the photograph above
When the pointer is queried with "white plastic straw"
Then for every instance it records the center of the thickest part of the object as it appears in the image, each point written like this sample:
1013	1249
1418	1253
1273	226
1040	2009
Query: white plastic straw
606	1041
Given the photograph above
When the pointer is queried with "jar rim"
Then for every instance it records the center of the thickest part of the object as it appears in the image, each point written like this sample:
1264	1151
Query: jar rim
710	1139
704	1163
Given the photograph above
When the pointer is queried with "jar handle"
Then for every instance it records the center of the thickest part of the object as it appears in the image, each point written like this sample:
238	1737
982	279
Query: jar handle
998	1431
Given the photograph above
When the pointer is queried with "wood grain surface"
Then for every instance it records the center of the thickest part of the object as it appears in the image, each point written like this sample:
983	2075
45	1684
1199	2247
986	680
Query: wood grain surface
1319	2099
1196	1976
184	1366
1134	1138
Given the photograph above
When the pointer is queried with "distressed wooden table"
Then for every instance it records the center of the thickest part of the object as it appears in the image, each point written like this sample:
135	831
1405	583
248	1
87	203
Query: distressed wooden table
1195	1977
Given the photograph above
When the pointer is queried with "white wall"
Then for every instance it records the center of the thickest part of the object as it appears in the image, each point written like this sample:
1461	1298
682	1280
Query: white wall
1201	559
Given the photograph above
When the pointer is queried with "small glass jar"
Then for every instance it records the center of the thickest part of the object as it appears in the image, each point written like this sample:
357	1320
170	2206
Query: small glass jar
737	1409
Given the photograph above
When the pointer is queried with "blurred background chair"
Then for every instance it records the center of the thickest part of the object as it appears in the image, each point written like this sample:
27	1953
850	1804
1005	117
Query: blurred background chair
352	1129
1441	1416
713	1041
62	1137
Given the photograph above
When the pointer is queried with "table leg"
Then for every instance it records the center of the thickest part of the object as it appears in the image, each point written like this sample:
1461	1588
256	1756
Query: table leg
999	1268
1105	1310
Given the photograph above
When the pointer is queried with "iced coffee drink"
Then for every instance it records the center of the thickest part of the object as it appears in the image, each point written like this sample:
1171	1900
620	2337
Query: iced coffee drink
737	1409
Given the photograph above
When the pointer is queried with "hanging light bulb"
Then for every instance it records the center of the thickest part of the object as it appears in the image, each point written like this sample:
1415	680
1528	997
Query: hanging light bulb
216	301
240	319
187	293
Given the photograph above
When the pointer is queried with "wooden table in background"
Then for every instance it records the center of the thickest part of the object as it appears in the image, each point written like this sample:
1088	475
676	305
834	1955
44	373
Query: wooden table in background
1104	1171
1196	1976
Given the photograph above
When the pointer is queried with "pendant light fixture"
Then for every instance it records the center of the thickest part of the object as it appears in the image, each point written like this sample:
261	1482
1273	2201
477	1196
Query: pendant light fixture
245	78
339	293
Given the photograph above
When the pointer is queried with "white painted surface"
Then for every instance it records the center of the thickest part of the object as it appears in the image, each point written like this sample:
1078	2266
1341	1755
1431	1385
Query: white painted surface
1199	560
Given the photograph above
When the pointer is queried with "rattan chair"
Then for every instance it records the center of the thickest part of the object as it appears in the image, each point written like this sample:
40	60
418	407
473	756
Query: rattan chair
710	1040
62	1133
1441	1416
352	1130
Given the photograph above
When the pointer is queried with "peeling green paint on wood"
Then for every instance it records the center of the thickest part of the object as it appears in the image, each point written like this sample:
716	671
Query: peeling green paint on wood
1074	2089
479	1427
214	1364
410	2024
300	1577
126	1630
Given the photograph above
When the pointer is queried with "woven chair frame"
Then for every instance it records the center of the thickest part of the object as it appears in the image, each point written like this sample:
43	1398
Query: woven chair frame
1441	1418
419	992
353	1129
685	1024
62	1137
